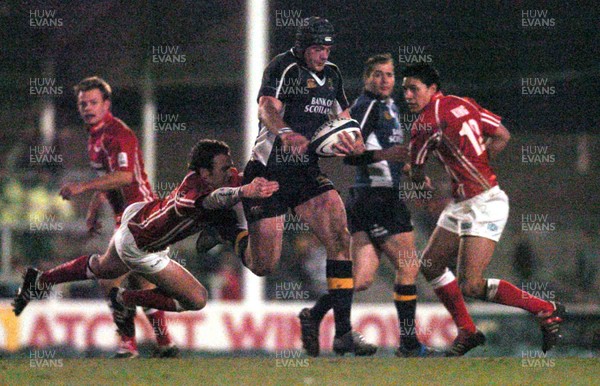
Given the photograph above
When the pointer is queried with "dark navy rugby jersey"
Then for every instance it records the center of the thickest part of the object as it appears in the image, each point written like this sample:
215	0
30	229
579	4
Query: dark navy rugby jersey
381	129
309	100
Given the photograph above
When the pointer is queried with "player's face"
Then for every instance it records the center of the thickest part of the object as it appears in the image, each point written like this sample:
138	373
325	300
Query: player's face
92	107
417	94
381	81
316	56
220	175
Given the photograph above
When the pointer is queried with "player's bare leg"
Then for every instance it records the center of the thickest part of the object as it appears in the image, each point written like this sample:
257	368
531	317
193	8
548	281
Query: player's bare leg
441	250
326	216
365	259
365	263
475	254
264	245
400	249
37	284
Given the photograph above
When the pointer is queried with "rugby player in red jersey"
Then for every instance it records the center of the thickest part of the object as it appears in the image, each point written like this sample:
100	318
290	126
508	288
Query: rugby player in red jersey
147	229
116	156
464	135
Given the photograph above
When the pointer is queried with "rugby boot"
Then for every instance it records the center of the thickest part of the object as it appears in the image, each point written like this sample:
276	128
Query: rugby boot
465	342
309	332
353	342
550	325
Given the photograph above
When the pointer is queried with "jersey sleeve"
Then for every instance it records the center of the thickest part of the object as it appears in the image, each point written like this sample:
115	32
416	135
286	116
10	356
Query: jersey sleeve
421	142
190	194
489	120
122	152
273	80
366	116
340	95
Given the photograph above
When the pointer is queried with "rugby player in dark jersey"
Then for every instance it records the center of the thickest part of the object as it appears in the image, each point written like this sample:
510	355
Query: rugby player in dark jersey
378	218
147	229
300	91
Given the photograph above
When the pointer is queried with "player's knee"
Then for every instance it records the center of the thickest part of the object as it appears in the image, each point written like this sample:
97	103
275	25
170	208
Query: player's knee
362	284
197	302
339	241
472	288
261	270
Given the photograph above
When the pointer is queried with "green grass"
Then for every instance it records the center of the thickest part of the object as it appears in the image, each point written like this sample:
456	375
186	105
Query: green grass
322	371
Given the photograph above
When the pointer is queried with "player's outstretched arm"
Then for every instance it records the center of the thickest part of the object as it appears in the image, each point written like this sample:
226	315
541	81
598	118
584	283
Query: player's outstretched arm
259	188
110	181
92	217
497	142
227	197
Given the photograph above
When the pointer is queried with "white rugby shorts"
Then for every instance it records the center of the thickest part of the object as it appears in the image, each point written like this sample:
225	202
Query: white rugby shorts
484	215
133	257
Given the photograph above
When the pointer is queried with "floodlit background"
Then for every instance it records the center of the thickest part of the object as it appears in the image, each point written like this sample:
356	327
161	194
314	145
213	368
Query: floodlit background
179	72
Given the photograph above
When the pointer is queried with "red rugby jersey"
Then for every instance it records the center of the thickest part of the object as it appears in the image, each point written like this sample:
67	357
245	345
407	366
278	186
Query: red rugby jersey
455	129
112	146
161	223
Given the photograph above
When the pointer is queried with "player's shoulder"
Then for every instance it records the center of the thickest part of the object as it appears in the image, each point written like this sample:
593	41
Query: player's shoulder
117	128
453	101
332	67
362	102
194	182
284	61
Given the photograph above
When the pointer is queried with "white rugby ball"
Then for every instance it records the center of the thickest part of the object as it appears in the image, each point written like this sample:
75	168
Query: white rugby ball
327	135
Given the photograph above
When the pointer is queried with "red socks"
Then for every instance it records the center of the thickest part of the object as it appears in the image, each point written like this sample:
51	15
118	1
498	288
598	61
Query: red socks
447	290
154	298
158	321
500	291
74	270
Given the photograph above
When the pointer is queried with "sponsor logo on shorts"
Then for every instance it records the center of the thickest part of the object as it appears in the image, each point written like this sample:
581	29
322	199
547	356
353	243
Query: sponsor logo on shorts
492	227
466	226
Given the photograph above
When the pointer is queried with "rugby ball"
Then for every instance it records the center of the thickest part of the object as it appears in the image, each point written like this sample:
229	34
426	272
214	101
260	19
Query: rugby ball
327	135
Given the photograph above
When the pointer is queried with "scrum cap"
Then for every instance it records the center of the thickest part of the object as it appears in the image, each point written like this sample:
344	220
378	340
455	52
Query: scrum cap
314	31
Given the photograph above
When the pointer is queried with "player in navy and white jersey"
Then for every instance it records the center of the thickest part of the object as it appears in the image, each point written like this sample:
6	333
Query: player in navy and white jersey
378	218
300	91
463	135
115	154
147	229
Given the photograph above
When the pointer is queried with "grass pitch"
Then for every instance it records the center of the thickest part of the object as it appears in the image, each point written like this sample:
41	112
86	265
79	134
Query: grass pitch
303	371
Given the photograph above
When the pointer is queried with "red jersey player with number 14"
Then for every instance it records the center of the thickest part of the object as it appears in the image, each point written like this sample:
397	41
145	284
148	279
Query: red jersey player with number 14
463	135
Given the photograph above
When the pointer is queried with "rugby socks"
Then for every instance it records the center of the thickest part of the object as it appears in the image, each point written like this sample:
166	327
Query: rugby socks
341	288
74	270
323	305
447	290
158	321
154	298
405	299
503	292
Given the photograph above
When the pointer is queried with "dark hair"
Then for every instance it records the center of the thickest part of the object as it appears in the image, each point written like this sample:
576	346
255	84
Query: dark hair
94	82
204	152
424	72
374	61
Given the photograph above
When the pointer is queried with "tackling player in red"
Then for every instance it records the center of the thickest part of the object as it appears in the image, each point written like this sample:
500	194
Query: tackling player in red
463	135
147	229
115	155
